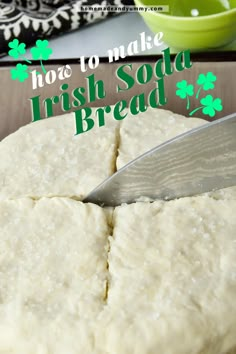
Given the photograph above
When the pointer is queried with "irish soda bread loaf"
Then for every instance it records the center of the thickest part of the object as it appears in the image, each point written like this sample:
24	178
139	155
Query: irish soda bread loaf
145	278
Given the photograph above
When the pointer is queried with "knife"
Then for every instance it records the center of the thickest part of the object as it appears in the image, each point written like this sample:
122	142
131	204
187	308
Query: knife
201	160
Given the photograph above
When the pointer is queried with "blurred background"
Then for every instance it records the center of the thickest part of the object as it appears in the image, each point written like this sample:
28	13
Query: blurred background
73	33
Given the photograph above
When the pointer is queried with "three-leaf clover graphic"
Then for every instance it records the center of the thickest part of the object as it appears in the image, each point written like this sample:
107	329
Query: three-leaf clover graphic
41	51
209	106
206	82
185	90
17	50
20	72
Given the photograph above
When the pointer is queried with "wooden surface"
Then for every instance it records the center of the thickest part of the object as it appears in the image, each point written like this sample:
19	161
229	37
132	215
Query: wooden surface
16	108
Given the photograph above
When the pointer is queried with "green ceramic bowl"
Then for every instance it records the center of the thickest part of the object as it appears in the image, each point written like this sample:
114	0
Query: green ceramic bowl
213	27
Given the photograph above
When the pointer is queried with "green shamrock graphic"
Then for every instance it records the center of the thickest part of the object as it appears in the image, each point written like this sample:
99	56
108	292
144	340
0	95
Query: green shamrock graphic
20	72
41	51
185	90
209	106
206	82
17	50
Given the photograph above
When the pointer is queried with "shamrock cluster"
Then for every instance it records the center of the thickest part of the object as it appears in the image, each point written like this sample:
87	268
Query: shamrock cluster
209	104
41	52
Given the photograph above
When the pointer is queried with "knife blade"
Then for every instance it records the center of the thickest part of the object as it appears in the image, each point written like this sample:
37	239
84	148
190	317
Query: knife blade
201	160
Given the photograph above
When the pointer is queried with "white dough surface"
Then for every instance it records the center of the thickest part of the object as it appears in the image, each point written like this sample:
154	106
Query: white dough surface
76	278
45	158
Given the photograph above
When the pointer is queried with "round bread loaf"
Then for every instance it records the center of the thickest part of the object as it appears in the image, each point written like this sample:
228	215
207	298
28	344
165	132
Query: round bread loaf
75	278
